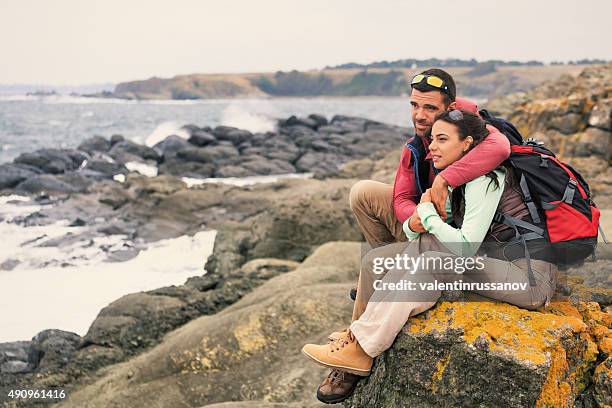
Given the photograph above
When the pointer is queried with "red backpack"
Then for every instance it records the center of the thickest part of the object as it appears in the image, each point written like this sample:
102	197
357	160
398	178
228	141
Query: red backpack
557	197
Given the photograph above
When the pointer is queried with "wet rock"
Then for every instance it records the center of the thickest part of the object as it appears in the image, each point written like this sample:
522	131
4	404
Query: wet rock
18	357
116	139
53	161
231	134
109	169
13	174
294	120
170	146
9	264
202	138
352	124
318	163
127	151
333	129
262	166
45	183
95	144
182	168
320	120
55	347
209	154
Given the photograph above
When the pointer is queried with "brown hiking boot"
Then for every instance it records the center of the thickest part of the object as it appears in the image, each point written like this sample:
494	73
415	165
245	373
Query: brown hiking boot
337	386
344	353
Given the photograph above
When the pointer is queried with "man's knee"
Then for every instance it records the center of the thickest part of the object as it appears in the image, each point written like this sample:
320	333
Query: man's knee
362	192
375	262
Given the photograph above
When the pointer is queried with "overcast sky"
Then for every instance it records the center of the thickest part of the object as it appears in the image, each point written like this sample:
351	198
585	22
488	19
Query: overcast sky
86	41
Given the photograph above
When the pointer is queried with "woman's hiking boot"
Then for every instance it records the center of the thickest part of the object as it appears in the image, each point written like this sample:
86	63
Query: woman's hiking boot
343	353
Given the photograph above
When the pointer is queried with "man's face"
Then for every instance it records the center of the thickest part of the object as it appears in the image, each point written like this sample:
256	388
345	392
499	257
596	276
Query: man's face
425	107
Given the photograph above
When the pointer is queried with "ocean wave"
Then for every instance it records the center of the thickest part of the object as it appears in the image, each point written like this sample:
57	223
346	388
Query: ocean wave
163	130
254	117
64	284
245	181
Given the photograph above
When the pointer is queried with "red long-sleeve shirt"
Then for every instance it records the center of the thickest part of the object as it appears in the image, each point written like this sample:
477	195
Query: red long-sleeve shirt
483	158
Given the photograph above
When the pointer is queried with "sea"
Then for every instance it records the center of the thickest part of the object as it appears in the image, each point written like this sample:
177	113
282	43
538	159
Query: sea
44	286
60	121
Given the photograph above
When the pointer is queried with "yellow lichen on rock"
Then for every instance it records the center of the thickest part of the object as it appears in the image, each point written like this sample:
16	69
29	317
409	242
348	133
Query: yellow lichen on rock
249	335
437	375
526	336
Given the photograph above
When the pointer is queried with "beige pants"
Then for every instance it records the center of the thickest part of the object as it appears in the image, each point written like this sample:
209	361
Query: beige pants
372	204
379	315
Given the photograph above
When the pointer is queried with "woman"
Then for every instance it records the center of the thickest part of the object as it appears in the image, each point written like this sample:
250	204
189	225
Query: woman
473	207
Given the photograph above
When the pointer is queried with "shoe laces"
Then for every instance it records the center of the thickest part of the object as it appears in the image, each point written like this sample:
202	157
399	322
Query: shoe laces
337	376
337	344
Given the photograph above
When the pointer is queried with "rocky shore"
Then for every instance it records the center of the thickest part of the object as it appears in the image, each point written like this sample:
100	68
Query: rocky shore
300	145
285	257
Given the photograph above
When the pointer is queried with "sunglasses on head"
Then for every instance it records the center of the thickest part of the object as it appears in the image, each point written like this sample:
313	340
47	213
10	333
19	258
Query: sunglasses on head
432	80
455	115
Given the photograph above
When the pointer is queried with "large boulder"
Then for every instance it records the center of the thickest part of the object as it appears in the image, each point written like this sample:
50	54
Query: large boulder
221	352
169	147
18	357
140	320
128	151
12	174
202	138
182	168
108	168
307	122
299	216
484	354
56	348
53	161
601	115
46	183
261	166
210	154
318	163
232	134
95	144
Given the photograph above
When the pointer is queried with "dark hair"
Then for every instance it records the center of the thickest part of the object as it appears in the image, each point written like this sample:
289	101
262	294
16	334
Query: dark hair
468	124
449	95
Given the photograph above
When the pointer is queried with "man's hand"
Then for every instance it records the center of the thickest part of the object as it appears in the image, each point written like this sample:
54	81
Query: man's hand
439	193
415	223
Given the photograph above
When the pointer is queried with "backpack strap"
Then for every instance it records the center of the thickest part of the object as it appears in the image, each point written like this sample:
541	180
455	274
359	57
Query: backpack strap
536	233
603	236
568	196
533	211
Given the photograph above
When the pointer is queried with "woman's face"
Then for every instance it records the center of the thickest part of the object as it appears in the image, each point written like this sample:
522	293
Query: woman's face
446	147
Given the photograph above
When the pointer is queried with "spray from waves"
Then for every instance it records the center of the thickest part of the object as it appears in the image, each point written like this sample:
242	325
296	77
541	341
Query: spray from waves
252	116
164	130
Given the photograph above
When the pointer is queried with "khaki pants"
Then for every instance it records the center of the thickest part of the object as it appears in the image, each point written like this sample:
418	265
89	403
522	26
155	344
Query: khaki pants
372	204
379	315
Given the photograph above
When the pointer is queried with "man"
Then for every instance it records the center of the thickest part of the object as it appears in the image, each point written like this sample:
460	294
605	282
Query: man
382	209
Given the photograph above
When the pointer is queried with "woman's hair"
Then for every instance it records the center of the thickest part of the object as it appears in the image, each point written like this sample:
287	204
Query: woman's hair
468	124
